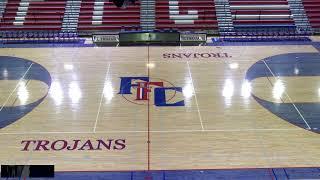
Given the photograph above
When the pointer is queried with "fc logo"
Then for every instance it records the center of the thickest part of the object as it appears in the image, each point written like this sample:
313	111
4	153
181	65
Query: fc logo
139	90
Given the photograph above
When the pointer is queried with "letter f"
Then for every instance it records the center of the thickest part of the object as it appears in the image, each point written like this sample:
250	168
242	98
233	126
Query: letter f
126	84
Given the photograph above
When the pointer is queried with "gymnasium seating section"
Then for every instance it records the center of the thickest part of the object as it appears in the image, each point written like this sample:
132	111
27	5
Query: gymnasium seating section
33	15
261	13
261	17
186	15
103	15
312	8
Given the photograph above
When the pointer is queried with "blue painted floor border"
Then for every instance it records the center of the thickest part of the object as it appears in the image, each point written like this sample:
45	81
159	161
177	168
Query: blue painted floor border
242	174
317	46
239	174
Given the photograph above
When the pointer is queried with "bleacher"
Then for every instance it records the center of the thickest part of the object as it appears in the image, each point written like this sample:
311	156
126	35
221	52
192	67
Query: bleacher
186	15
103	15
248	17
312	8
33	15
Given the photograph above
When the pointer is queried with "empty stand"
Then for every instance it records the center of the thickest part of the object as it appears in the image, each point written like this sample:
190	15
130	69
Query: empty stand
100	15
312	8
186	15
33	15
261	14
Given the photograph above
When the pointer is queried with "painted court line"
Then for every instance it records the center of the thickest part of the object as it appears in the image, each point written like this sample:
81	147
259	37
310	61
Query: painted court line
20	80
152	131
195	96
275	77
149	125
98	113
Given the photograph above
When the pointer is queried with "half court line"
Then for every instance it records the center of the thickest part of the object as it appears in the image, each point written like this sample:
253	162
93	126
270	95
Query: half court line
101	98
20	80
149	123
276	78
195	96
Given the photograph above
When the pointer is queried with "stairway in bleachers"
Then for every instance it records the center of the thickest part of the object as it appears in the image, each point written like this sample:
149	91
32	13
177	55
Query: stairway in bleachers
3	5
71	15
312	9
224	16
186	15
147	14
299	15
21	13
261	14
98	9
99	15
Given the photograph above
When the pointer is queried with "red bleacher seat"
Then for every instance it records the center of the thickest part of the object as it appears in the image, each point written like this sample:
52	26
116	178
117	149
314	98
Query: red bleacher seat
170	14
40	15
260	12
193	15
112	17
312	8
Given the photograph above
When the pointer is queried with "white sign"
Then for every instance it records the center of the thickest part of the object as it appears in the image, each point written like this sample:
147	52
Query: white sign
105	38
193	37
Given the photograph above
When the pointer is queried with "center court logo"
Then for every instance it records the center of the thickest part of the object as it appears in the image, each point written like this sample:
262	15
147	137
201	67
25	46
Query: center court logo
144	91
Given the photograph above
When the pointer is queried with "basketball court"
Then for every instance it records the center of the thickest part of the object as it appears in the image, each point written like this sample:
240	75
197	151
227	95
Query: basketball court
160	108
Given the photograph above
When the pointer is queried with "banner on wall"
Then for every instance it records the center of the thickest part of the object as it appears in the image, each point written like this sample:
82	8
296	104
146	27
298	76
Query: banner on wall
105	38
193	37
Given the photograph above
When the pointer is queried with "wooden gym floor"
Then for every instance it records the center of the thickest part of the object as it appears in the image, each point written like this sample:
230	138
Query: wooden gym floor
189	108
